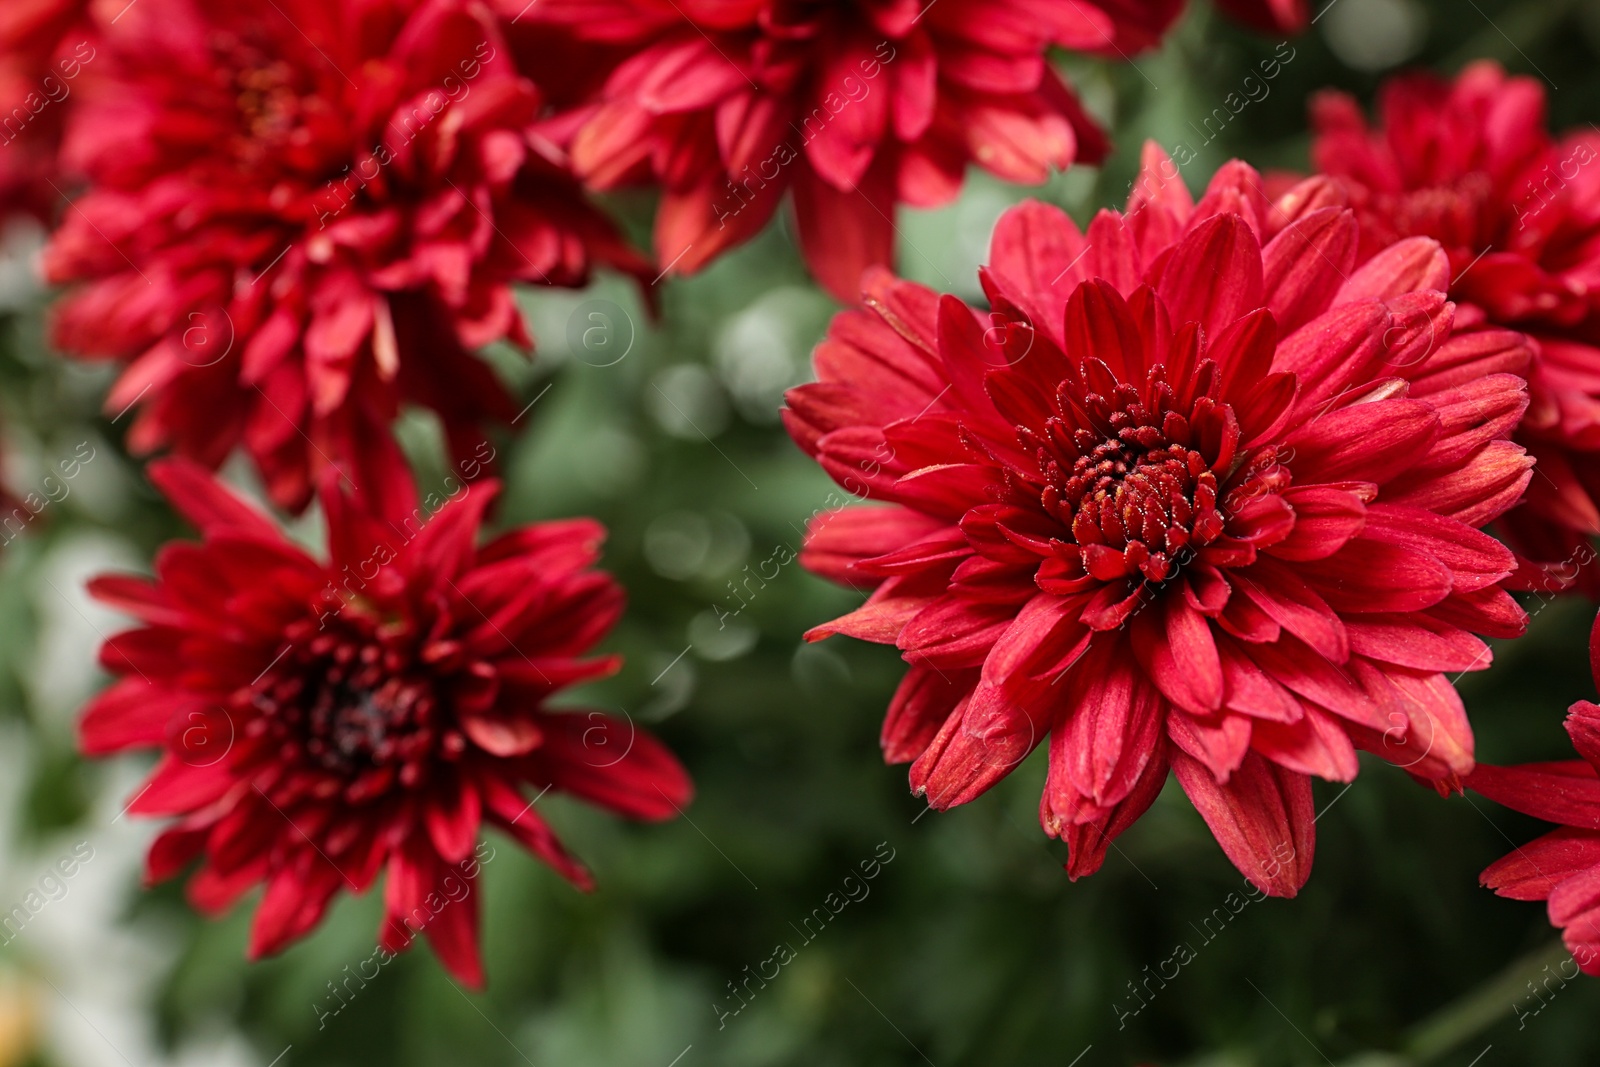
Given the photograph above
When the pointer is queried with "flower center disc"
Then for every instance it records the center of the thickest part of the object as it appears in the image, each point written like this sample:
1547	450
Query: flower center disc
1140	488
345	709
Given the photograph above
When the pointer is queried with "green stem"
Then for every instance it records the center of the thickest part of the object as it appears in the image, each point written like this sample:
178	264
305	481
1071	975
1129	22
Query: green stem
1482	1008
1455	1024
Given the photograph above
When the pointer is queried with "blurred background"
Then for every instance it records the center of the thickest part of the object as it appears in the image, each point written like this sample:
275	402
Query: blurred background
969	945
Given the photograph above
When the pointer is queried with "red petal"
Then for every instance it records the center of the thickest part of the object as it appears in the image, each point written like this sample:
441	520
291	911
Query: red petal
1008	713
1219	742
1304	265
843	233
297	896
504	735
1366	442
1416	641
1372	575
172	851
1180	655
880	619
1315	744
1213	276
1300	670
139	597
1281	593
1036	255
837	540
841	148
1567	793
1332	351
453	933
688	76
1263	818
922	703
1112	730
132	713
1478	492
1251	690
1088	840
1404	267
1476	560
1325	519
513	813
1428	732
176	788
1534	870
1583	726
444	548
611	762
451	812
198	496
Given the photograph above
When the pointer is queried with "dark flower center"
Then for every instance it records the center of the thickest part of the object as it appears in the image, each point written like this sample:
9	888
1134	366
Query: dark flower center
350	708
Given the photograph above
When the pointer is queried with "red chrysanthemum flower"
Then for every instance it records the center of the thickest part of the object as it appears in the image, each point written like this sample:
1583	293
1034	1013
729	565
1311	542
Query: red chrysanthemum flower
303	214
1470	164
322	720
1191	495
854	107
1269	16
1562	867
40	59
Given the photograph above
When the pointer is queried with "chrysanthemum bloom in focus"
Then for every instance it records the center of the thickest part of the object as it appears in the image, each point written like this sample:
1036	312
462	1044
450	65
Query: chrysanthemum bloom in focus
1562	867
853	107
304	214
320	721
1470	163
1194	495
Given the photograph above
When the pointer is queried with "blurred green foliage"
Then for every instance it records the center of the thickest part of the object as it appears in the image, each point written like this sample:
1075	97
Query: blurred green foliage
971	946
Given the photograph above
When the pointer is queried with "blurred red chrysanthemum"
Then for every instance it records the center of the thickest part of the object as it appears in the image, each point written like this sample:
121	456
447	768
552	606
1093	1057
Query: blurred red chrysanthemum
1469	162
43	50
303	214
1197	493
37	27
1562	867
322	720
1269	16
854	107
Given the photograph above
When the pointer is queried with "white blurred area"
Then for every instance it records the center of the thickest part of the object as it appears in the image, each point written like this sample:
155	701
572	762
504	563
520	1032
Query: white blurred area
79	980
1375	35
20	243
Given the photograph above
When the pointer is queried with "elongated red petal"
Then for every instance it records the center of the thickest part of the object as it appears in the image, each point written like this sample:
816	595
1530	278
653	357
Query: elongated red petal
1263	819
